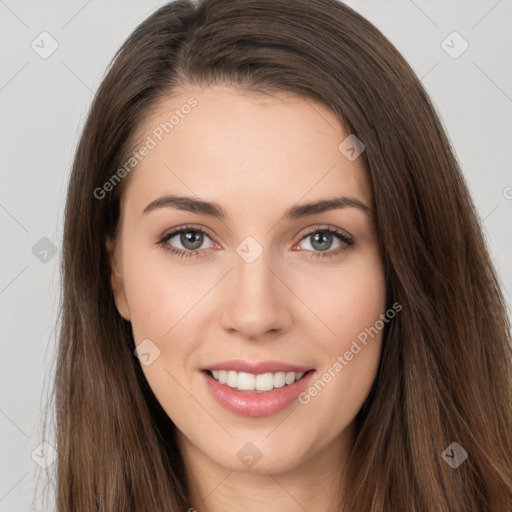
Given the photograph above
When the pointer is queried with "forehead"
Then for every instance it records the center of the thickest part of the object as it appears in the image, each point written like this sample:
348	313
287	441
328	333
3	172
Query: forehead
244	150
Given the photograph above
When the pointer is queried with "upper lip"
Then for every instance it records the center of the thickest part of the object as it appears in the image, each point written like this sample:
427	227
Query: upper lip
239	365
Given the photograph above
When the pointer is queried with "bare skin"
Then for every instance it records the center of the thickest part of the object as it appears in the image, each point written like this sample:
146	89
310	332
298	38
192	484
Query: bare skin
256	156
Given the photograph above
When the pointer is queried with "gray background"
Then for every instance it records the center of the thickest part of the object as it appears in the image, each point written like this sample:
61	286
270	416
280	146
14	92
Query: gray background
44	102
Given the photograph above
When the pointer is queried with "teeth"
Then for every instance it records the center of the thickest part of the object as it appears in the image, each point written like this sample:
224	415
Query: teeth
249	382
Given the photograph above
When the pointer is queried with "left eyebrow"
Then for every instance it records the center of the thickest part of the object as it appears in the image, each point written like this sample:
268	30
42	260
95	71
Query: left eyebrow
324	205
213	209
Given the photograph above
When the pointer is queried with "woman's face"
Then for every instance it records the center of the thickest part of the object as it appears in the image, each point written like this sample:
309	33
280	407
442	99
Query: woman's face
265	284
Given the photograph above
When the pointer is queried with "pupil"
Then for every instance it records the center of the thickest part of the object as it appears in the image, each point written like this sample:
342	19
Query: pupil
324	239
191	239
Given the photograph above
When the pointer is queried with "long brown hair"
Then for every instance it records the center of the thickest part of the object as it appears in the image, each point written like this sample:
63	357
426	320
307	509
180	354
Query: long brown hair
445	373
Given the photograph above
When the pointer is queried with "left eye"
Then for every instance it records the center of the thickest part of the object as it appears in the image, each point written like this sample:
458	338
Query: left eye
322	240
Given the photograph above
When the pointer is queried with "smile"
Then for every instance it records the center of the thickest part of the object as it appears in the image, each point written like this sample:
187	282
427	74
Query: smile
256	395
261	383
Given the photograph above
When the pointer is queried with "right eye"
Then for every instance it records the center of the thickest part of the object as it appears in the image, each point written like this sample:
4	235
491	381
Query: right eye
190	239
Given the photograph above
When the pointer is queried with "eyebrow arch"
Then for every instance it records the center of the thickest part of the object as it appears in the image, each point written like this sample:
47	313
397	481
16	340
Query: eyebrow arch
213	209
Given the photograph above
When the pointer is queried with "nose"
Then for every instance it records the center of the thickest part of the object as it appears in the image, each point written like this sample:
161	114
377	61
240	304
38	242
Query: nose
257	302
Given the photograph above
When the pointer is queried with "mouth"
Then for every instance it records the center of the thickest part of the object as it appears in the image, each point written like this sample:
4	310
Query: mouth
256	383
262	389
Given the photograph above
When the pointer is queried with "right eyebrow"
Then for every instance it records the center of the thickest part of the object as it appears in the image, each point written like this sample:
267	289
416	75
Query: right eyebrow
189	204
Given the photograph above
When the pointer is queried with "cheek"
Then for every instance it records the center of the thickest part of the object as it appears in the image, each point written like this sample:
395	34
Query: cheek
347	299
362	303
163	298
160	292
350	305
161	305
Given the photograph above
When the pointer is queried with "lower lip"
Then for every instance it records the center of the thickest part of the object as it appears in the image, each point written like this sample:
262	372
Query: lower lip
247	403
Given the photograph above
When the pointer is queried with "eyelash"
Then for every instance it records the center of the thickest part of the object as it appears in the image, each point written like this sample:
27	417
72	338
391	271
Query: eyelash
342	237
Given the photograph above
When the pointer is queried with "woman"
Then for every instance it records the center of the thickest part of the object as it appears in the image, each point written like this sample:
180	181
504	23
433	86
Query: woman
276	292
